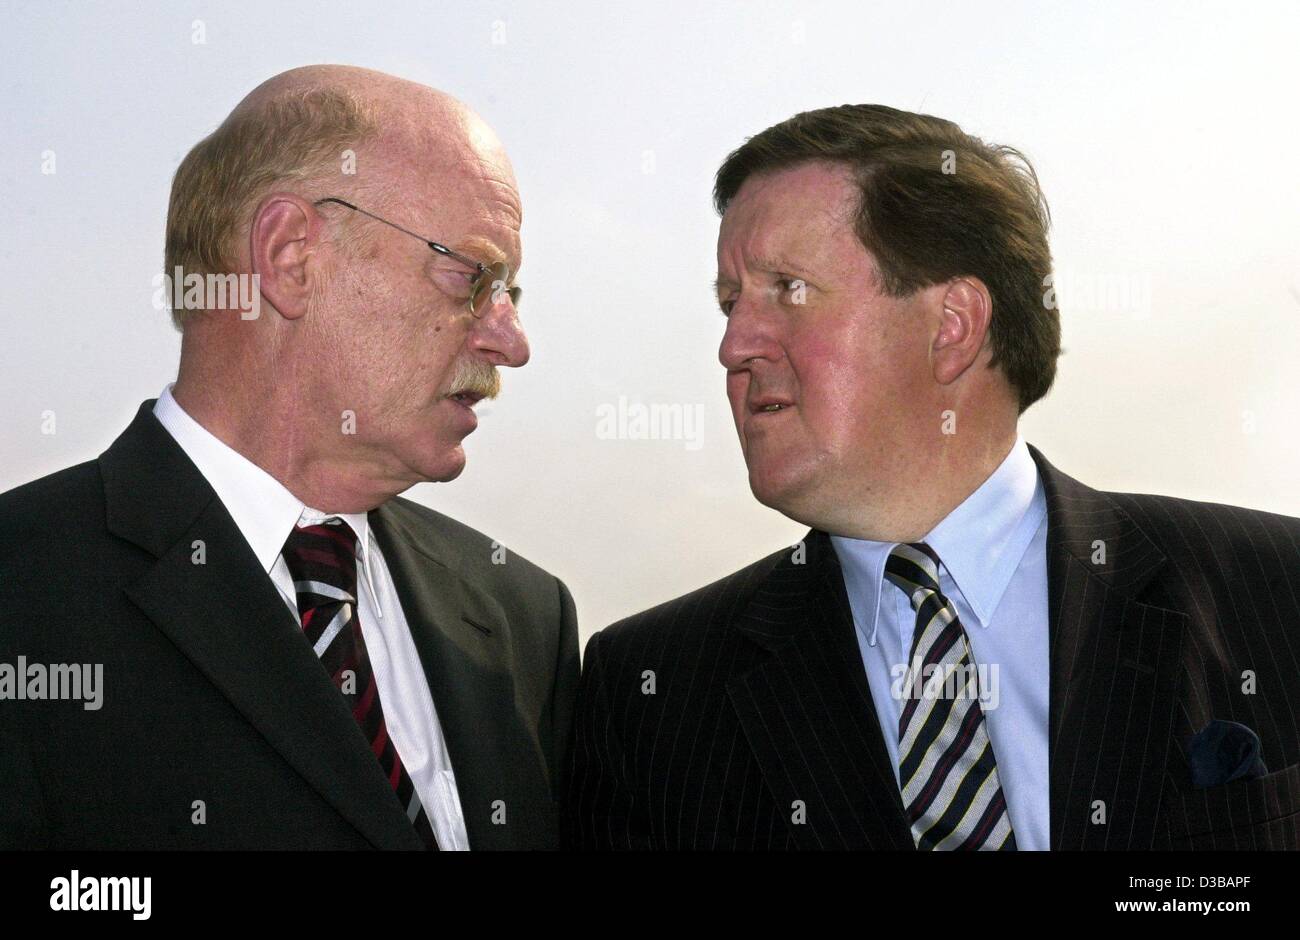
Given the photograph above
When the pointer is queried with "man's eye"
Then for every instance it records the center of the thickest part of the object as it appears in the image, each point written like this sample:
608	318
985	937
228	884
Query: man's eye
793	289
725	306
456	283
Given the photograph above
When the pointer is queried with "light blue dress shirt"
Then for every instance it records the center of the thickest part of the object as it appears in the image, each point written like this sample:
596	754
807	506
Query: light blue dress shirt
993	554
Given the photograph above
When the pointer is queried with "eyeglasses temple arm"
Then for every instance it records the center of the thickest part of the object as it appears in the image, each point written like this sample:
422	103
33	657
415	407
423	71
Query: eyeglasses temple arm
440	249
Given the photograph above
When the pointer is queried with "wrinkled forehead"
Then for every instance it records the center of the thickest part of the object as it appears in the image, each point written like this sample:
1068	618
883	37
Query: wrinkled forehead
791	211
457	153
457	189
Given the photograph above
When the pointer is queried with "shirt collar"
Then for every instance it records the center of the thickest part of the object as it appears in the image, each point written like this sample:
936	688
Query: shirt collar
980	543
264	511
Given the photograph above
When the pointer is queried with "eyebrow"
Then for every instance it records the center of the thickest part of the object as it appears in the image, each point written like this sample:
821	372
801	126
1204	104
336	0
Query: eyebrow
487	251
770	265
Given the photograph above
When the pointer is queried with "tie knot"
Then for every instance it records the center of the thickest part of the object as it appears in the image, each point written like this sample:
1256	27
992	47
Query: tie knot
322	561
914	569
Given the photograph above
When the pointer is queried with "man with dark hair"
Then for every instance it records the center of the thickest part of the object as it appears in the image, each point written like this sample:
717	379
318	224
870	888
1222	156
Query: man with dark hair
292	656
970	650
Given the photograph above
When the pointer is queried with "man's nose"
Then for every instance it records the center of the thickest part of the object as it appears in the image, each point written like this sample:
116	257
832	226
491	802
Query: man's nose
748	336
499	336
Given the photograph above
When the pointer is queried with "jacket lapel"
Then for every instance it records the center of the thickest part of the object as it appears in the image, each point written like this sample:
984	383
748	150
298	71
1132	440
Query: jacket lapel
463	638
807	711
1115	663
225	615
1115	666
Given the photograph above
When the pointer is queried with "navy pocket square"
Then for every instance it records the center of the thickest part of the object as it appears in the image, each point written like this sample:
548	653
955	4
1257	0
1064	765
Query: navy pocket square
1224	751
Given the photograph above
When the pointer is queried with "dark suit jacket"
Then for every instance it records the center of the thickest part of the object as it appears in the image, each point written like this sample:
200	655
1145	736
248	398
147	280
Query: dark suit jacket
760	698
212	694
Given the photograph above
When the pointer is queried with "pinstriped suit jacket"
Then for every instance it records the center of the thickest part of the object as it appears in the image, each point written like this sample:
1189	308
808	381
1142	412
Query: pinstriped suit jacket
739	717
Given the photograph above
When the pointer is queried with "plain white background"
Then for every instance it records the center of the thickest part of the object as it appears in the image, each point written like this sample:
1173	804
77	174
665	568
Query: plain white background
1164	135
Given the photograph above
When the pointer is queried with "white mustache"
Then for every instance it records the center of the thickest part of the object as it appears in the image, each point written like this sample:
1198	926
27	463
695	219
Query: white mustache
477	377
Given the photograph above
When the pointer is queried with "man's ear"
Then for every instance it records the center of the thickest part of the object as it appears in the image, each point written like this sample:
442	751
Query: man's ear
965	318
283	238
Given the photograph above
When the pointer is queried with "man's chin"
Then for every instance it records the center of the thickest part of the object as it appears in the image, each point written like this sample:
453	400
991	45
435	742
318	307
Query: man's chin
445	466
783	491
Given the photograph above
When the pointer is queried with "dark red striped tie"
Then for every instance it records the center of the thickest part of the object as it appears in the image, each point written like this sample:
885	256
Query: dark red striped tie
322	560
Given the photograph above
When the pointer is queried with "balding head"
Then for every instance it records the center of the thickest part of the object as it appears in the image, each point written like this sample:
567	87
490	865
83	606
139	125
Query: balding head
410	117
365	133
388	314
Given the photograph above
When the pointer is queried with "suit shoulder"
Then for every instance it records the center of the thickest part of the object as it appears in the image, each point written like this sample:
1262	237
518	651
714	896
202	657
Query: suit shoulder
54	505
71	483
723	598
474	550
1190	531
1169	515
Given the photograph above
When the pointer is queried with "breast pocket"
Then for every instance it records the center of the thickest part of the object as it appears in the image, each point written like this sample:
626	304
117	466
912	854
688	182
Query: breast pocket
1263	813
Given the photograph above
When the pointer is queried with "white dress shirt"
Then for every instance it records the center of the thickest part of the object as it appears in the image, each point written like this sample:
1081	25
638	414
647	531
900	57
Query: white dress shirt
265	513
993	554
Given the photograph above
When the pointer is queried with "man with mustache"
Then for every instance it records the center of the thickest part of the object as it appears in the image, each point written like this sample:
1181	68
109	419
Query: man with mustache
970	650
293	656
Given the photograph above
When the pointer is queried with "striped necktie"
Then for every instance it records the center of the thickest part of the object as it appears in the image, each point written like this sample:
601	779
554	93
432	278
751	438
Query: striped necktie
322	560
946	768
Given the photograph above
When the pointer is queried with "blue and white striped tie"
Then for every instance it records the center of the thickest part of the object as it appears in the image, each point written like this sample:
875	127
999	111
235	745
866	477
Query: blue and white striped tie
946	768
